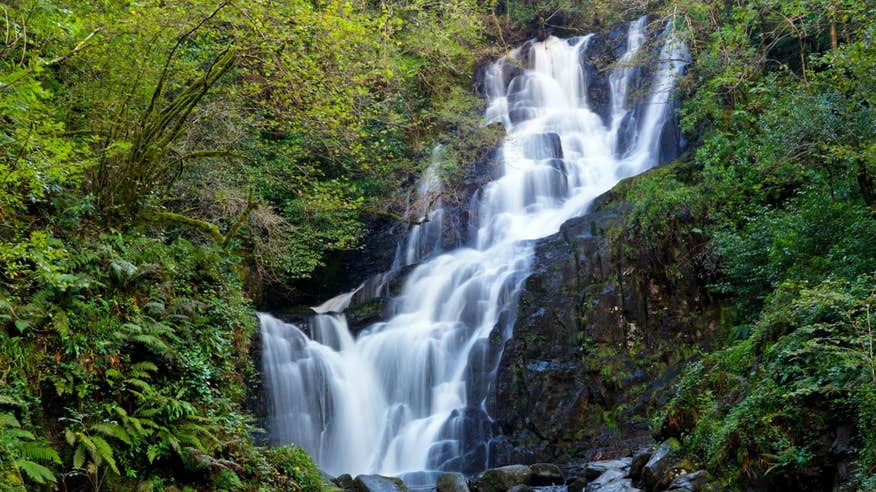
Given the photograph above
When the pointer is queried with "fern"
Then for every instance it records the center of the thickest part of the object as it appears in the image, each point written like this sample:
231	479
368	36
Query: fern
34	471
8	420
114	430
24	450
142	369
105	452
38	451
79	457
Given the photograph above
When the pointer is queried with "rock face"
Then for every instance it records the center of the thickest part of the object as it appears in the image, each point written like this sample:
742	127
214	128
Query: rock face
601	52
571	381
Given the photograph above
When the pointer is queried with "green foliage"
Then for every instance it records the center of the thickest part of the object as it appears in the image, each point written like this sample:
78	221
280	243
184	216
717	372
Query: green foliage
162	161
773	211
295	463
755	409
21	455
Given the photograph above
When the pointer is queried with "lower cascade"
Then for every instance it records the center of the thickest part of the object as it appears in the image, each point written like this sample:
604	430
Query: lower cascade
411	395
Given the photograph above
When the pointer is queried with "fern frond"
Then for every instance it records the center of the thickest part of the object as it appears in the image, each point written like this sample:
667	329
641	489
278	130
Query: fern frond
18	434
36	472
151	341
8	420
192	440
105	451
39	451
111	429
79	456
69	436
139	383
142	369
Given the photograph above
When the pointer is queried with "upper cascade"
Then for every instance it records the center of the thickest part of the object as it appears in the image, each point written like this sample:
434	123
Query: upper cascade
409	395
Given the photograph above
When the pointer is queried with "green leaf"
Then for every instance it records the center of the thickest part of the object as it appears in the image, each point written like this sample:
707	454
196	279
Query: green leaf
70	436
22	325
79	456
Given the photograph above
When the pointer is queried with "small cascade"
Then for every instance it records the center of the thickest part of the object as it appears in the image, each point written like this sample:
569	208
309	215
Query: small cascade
408	395
425	239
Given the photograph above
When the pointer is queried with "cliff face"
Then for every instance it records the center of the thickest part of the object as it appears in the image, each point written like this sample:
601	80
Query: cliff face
603	326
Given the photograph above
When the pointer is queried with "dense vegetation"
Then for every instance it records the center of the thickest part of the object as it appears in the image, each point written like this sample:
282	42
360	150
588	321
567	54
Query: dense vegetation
162	164
774	207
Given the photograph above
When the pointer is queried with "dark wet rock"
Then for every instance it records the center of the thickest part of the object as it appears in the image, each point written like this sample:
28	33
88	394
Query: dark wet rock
503	452
520	488
657	472
344	481
597	303
501	479
595	469
543	146
597	57
378	483
544	474
327	480
640	459
576	485
698	481
452	482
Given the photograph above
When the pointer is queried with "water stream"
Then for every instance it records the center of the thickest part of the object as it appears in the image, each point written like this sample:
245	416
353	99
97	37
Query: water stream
409	394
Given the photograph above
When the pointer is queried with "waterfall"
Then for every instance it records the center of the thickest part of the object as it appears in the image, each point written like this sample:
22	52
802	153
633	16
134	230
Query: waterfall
409	394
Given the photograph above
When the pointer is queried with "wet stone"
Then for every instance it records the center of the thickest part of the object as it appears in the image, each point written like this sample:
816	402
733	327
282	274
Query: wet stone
378	483
594	470
544	474
452	482
502	479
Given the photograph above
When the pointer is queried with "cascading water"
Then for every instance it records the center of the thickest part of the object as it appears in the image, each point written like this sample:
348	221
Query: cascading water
409	394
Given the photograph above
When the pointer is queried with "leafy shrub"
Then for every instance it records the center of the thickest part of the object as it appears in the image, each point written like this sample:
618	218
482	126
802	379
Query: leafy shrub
294	462
757	408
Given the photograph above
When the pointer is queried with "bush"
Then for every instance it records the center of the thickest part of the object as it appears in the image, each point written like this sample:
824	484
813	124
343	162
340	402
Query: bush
294	462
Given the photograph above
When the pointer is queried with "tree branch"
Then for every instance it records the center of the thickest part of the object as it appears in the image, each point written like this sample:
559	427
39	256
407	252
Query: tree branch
79	46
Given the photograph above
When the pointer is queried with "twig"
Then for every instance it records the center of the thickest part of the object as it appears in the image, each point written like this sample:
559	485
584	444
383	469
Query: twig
79	46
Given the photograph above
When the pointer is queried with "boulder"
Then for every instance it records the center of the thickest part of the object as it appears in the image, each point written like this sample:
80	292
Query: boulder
344	481
657	472
544	474
698	481
576	485
640	459
594	470
503	478
378	483
452	482
613	480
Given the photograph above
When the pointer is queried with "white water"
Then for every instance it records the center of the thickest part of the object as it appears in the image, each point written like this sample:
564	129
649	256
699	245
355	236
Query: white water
408	394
